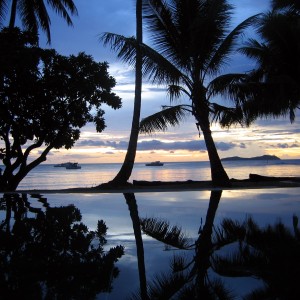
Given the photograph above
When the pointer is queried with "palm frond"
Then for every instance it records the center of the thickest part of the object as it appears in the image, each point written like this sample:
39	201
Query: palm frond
162	231
3	11
228	116
228	45
179	263
166	286
156	67
235	87
169	116
62	7
125	47
176	91
166	37
219	291
255	49
241	263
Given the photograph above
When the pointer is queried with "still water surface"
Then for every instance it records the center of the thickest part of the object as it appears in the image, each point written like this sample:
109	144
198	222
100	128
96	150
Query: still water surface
49	177
187	210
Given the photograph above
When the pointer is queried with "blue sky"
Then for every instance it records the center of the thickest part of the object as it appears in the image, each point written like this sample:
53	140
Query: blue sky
276	137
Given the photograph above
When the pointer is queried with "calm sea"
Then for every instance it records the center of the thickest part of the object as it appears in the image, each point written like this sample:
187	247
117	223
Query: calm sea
47	176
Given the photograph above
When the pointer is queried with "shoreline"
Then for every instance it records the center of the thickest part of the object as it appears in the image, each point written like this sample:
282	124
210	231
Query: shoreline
254	182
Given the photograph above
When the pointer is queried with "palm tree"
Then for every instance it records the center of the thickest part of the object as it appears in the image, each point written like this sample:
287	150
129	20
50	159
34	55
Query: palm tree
127	166
277	54
191	45
34	14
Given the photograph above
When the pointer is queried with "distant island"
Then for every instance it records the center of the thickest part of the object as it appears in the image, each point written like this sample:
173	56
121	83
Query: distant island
263	157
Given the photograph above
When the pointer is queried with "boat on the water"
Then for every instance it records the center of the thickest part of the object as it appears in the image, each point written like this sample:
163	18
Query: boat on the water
68	165
72	166
155	164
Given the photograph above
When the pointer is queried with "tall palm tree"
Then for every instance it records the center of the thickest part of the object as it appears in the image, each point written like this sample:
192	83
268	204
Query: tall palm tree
34	14
191	45
277	54
127	166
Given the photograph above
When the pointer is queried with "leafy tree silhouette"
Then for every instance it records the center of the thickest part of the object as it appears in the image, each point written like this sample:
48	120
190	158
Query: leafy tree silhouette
48	253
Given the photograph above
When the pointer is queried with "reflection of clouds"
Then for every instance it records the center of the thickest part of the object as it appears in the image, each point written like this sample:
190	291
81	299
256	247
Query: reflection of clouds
185	209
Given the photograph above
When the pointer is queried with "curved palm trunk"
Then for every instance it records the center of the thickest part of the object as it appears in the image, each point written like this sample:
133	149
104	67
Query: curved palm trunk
218	174
204	244
126	169
133	209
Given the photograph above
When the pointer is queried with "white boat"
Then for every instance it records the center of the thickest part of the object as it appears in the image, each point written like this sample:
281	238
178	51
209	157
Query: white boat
155	164
73	166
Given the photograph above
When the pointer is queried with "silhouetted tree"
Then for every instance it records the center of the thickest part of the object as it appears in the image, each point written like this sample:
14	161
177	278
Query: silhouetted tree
46	98
48	253
127	166
271	89
192	42
34	14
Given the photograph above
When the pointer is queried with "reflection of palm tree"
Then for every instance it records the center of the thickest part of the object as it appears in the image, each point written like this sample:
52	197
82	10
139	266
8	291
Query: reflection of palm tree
34	14
50	252
193	44
188	279
133	209
271	254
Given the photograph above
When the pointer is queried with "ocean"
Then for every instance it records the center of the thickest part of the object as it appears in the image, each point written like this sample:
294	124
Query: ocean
46	176
186	209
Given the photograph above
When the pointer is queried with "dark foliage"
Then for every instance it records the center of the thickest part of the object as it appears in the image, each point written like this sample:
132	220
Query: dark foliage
45	99
48	253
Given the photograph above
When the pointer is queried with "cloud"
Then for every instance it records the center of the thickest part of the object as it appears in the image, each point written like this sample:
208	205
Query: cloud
286	145
154	145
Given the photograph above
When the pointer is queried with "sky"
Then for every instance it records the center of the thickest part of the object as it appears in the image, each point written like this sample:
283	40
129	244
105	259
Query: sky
274	137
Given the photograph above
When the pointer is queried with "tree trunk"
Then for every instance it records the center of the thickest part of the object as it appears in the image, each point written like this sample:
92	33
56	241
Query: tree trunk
9	181
126	169
13	13
218	174
204	245
133	209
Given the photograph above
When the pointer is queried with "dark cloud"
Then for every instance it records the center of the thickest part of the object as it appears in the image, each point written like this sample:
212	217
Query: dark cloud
286	145
159	145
